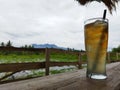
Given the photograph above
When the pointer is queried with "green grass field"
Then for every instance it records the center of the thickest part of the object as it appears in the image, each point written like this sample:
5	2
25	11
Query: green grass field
15	58
18	57
37	57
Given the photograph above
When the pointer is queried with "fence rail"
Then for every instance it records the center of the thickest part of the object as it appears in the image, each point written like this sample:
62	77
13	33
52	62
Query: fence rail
13	67
16	67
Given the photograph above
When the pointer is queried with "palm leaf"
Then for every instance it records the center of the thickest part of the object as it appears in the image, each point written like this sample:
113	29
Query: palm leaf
111	4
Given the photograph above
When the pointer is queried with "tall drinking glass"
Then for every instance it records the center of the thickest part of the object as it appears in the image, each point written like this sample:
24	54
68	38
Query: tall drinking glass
96	42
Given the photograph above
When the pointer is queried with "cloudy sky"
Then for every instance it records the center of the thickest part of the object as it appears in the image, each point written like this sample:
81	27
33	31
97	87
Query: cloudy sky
59	22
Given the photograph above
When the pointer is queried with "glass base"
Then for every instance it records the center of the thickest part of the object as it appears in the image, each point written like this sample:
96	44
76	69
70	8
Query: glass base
98	76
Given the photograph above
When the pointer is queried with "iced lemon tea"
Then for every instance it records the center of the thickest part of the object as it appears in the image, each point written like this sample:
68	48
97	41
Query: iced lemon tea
96	41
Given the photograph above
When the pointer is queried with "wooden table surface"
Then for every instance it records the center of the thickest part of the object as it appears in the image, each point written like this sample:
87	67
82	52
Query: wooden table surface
75	80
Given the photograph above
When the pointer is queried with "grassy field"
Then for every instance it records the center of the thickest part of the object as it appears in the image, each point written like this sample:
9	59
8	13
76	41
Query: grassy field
15	58
37	57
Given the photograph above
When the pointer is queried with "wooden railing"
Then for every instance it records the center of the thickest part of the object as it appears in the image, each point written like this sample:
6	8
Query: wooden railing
113	57
75	80
16	67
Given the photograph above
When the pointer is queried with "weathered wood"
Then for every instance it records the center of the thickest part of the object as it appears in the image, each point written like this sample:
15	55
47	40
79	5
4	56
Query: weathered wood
7	75
75	80
117	56
13	67
108	57
79	61
47	63
62	63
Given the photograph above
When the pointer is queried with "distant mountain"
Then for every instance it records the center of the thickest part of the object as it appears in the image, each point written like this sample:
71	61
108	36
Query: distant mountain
48	46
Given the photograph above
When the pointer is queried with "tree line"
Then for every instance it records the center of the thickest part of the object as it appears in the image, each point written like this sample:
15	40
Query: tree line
10	44
117	49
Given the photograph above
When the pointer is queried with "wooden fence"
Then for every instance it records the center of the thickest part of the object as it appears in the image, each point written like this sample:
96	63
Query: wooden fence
16	67
113	57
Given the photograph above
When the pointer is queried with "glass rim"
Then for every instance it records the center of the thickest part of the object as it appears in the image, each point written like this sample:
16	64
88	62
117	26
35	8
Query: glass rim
95	18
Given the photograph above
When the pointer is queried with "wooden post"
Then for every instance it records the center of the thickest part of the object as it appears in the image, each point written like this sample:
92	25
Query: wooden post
117	56
108	57
79	61
47	61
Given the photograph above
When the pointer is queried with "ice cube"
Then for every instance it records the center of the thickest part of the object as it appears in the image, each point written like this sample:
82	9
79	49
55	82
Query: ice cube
100	22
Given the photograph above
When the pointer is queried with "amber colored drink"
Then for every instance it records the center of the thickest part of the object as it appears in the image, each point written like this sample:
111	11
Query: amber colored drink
96	42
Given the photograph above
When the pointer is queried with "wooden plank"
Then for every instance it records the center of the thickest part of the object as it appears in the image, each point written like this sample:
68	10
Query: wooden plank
111	83
117	56
13	67
7	75
108	57
63	63
75	80
84	62
79	61
47	63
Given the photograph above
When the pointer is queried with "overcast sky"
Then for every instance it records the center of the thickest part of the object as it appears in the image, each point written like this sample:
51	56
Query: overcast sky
59	22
